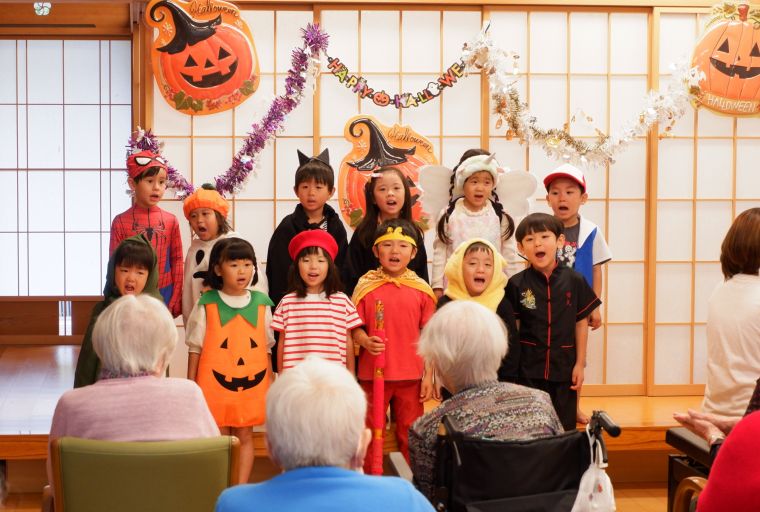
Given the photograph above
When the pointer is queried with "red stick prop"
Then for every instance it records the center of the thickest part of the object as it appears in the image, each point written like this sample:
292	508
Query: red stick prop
378	395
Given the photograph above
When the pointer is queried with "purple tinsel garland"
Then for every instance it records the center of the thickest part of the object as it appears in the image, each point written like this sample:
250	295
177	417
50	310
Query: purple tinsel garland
232	181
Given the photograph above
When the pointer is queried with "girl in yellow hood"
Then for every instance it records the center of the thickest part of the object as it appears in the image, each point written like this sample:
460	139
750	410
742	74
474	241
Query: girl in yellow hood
475	271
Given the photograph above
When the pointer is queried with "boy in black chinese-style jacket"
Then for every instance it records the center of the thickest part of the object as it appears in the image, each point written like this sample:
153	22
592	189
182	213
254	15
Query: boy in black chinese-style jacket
552	304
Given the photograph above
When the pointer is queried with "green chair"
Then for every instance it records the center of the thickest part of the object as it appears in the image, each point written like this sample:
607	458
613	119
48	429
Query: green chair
165	476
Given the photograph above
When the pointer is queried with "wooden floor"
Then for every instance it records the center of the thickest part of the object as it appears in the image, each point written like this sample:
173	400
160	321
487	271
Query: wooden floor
638	499
33	378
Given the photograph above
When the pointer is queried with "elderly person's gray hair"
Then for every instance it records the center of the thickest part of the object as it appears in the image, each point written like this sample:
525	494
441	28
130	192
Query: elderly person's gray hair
315	415
135	334
465	342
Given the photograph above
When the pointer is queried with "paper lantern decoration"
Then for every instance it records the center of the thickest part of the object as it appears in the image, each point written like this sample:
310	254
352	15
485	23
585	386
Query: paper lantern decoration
375	146
728	54
204	59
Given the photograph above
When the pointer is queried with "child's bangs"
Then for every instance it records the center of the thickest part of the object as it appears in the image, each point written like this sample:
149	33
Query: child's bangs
537	223
312	251
478	247
237	251
133	254
318	171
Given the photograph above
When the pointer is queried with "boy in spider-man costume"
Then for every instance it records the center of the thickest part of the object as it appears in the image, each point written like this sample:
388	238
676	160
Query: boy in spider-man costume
147	179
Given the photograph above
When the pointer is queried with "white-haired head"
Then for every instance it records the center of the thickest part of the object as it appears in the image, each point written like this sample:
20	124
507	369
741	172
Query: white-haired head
134	335
315	417
465	342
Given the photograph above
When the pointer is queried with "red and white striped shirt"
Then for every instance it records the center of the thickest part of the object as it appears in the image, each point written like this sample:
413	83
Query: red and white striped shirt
314	325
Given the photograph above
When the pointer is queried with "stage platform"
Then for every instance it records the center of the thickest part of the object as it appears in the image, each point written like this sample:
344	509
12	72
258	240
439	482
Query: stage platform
32	378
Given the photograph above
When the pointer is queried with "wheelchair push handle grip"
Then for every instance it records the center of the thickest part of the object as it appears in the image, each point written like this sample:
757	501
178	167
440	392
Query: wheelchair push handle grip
602	419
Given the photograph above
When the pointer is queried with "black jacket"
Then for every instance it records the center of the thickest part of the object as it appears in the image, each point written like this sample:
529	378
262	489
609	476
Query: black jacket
278	259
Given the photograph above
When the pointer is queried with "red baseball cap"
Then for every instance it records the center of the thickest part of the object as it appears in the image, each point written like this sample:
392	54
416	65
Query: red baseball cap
566	171
138	163
313	238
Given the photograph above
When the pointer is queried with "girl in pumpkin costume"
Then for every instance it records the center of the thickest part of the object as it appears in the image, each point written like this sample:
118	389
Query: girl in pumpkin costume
229	340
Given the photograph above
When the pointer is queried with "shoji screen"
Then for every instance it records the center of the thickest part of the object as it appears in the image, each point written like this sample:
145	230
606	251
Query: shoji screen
65	114
706	175
403	50
578	64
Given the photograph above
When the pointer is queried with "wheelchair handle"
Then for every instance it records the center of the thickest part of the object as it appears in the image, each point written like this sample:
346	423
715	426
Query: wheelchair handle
601	419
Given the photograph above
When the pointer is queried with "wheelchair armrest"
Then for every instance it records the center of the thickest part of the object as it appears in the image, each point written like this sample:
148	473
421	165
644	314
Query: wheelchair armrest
689	443
399	466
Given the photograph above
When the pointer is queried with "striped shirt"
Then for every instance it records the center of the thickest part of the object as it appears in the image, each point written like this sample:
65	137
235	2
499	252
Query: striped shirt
314	325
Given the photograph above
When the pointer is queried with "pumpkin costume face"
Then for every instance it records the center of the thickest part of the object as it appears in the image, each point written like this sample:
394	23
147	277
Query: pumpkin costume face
208	65
729	55
240	350
372	150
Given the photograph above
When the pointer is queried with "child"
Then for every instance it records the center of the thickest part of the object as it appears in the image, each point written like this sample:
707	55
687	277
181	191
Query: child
206	211
408	303
314	186
473	211
316	318
387	197
147	179
475	271
131	271
552	304
228	339
585	249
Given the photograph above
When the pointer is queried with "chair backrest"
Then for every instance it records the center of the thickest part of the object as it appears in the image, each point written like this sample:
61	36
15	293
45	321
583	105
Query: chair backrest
687	493
186	476
470	469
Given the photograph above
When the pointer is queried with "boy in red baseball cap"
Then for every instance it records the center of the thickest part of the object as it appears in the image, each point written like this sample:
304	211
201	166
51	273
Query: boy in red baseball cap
585	249
147	179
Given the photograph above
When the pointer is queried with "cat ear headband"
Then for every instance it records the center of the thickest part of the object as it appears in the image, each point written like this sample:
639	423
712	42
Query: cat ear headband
323	157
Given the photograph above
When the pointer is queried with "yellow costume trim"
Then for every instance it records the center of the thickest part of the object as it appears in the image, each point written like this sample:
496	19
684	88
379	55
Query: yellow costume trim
374	279
395	234
456	289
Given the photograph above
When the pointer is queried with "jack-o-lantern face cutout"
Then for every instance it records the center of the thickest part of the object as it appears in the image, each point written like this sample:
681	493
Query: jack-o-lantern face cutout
203	66
376	146
238	383
729	56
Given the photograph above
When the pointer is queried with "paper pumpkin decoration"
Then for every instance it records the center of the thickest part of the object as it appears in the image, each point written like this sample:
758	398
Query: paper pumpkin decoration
728	54
204	62
375	146
233	368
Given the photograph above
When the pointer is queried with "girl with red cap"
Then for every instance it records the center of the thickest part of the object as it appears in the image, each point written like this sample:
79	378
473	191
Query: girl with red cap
315	317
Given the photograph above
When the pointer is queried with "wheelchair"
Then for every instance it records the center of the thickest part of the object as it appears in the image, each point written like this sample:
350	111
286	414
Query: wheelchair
485	475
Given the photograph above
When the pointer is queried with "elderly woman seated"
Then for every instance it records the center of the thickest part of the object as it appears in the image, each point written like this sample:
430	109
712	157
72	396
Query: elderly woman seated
466	342
134	339
316	433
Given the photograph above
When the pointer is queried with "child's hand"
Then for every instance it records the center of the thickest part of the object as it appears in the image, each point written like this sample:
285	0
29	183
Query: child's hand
438	292
427	389
577	377
595	320
373	344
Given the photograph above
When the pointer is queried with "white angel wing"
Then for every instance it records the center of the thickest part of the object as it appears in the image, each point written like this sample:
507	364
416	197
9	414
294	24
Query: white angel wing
515	188
434	182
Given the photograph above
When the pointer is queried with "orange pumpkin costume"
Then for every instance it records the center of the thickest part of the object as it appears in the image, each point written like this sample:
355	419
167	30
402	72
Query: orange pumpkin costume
233	370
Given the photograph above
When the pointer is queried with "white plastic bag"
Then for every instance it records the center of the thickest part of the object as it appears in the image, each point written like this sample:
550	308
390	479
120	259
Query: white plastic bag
595	491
